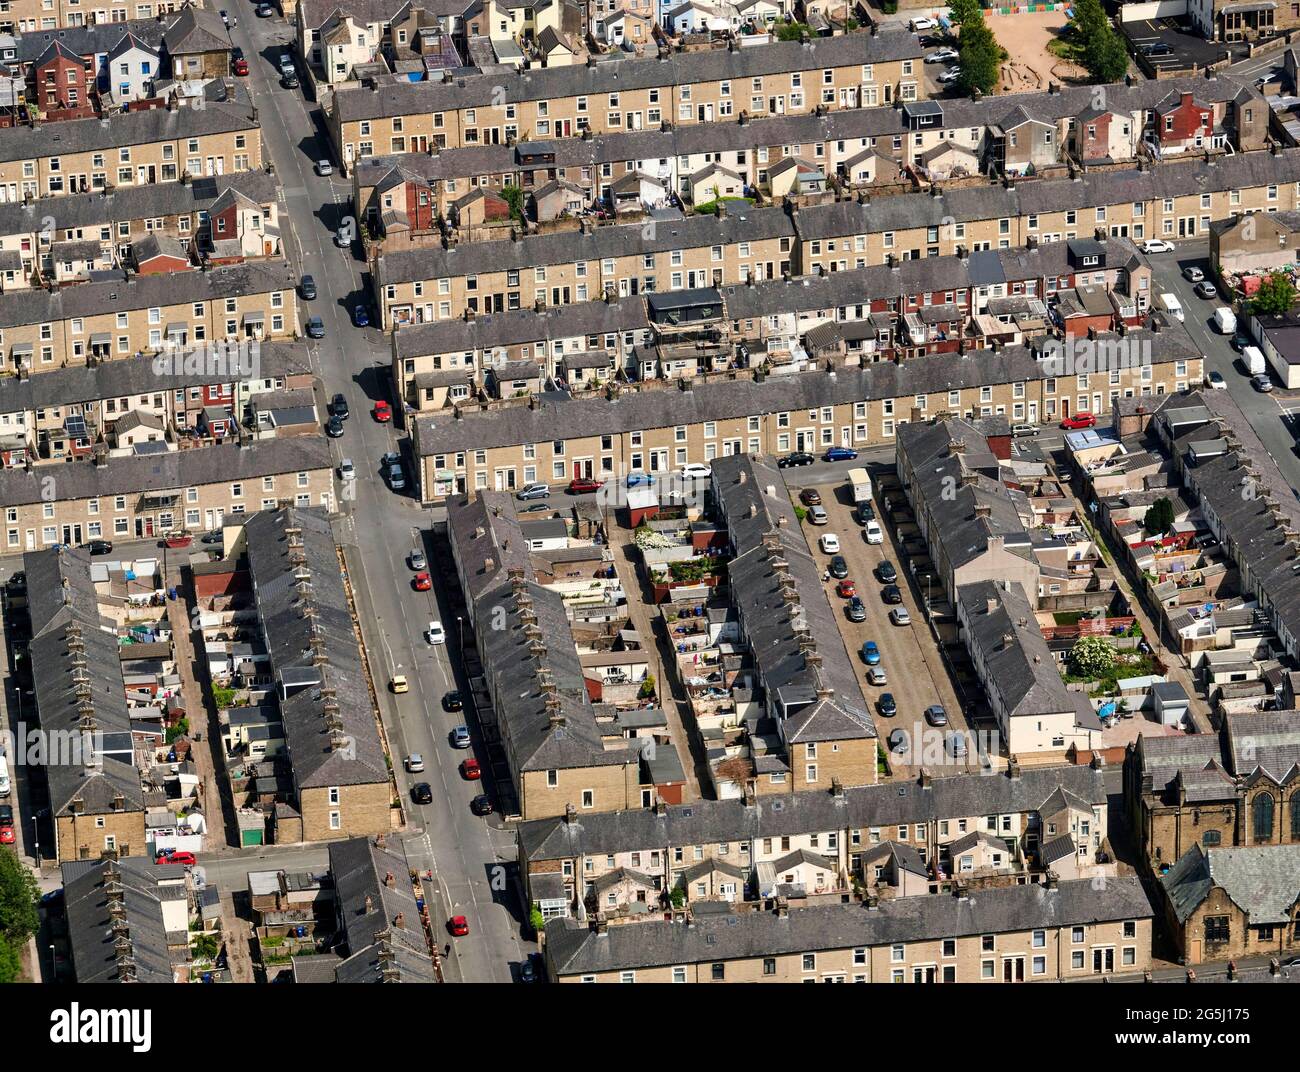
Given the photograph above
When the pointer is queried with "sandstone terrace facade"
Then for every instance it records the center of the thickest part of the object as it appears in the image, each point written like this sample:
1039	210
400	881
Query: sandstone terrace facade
185	402
1048	933
656	428
141	314
687	87
150	495
116	219
1169	200
561	857
129	149
842	141
32	16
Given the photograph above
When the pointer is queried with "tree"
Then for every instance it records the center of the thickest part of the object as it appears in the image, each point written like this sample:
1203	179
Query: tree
1089	18
1091	657
1276	295
965	12
11	962
18	896
1102	50
979	57
514	197
1159	517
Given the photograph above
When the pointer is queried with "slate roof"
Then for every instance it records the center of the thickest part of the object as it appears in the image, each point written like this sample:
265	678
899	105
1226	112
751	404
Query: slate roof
90	40
367	905
288	580
575	949
90	925
861	807
64	610
1262	880
196	29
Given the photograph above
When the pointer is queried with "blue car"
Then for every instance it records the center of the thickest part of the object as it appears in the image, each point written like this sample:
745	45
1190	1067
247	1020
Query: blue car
637	478
871	653
361	316
840	454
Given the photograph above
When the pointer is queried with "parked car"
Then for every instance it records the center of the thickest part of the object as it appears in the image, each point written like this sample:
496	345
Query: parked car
265	11
873	533
876	676
891	594
459	926
949	76
1207	290
315	327
1262	382
532	491
942	55
361	317
415	763
307	288
829	543
1193	274
922	23
289	80
840	454
481	805
1082	419
324	168
422	793
899	616
839	567
100	547
344	236
398	684
899	743
452	701
469	769
1157	245
240	67
1241	340
864	512
435	634
1216	381
334	427
225	18
460	737
185	859
870	653
347	471
638	478
846	589
339	406
856	610
1021	430
817	515
416	559
8	836
887	705
396	476
580	485
936	715
422	582
955	744
886	573
810	497
1157	48
382	411
798	458
528	971
694	471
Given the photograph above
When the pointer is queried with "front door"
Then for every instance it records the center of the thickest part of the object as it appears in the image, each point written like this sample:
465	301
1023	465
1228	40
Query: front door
1103	961
1013	969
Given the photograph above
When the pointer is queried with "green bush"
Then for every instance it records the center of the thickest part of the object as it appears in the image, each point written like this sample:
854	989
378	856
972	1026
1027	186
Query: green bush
536	921
1091	657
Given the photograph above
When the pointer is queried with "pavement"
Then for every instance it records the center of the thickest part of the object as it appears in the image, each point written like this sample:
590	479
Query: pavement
472	858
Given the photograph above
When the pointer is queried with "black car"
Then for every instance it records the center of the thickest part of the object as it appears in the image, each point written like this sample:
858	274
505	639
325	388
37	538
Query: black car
213	537
891	593
315	328
289	81
236	53
100	547
339	407
421	793
334	428
810	497
799	457
839	568
452	701
886	572
856	610
481	805
307	288
888	706
864	512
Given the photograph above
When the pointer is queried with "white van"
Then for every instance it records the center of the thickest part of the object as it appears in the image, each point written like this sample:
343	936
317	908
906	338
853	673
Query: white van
1225	320
1171	305
4	775
1253	358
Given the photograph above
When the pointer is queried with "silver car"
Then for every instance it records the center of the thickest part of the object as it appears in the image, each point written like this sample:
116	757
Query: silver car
817	516
417	560
415	763
899	616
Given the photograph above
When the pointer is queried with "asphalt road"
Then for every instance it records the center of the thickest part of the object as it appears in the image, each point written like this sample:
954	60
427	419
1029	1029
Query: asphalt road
471	857
1267	413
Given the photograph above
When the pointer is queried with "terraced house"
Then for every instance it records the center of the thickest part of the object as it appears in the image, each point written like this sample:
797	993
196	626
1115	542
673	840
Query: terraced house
141	314
850	71
131	149
565	859
1036	933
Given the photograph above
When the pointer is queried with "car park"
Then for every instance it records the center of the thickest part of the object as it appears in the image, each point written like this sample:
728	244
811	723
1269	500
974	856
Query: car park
840	454
460	737
817	515
936	716
870	653
315	327
1157	48
796	459
810	497
899	743
864	512
899	616
532	491
887	705
415	763
839	566
949	76
435	634
829	543
886	573
422	793
856	610
873	533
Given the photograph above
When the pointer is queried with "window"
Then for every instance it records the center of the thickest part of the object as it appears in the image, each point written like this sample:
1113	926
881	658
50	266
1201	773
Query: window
810	962
1262	809
588	798
718	972
552	779
769	965
1217	929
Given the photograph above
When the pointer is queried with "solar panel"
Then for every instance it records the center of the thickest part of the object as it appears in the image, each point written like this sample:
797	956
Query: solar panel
76	426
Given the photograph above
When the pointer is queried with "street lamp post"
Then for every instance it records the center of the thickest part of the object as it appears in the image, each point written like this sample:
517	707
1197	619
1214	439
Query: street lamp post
460	637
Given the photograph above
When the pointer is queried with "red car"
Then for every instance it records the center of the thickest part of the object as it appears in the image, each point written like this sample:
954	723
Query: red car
459	926
7	835
186	859
383	412
240	68
581	484
1082	419
423	582
846	589
470	770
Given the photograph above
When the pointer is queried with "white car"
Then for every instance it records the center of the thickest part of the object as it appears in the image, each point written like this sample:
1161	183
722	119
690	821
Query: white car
942	55
1157	245
347	471
1216	381
949	76
923	24
435	634
415	763
874	533
830	543
694	471
324	167
899	616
